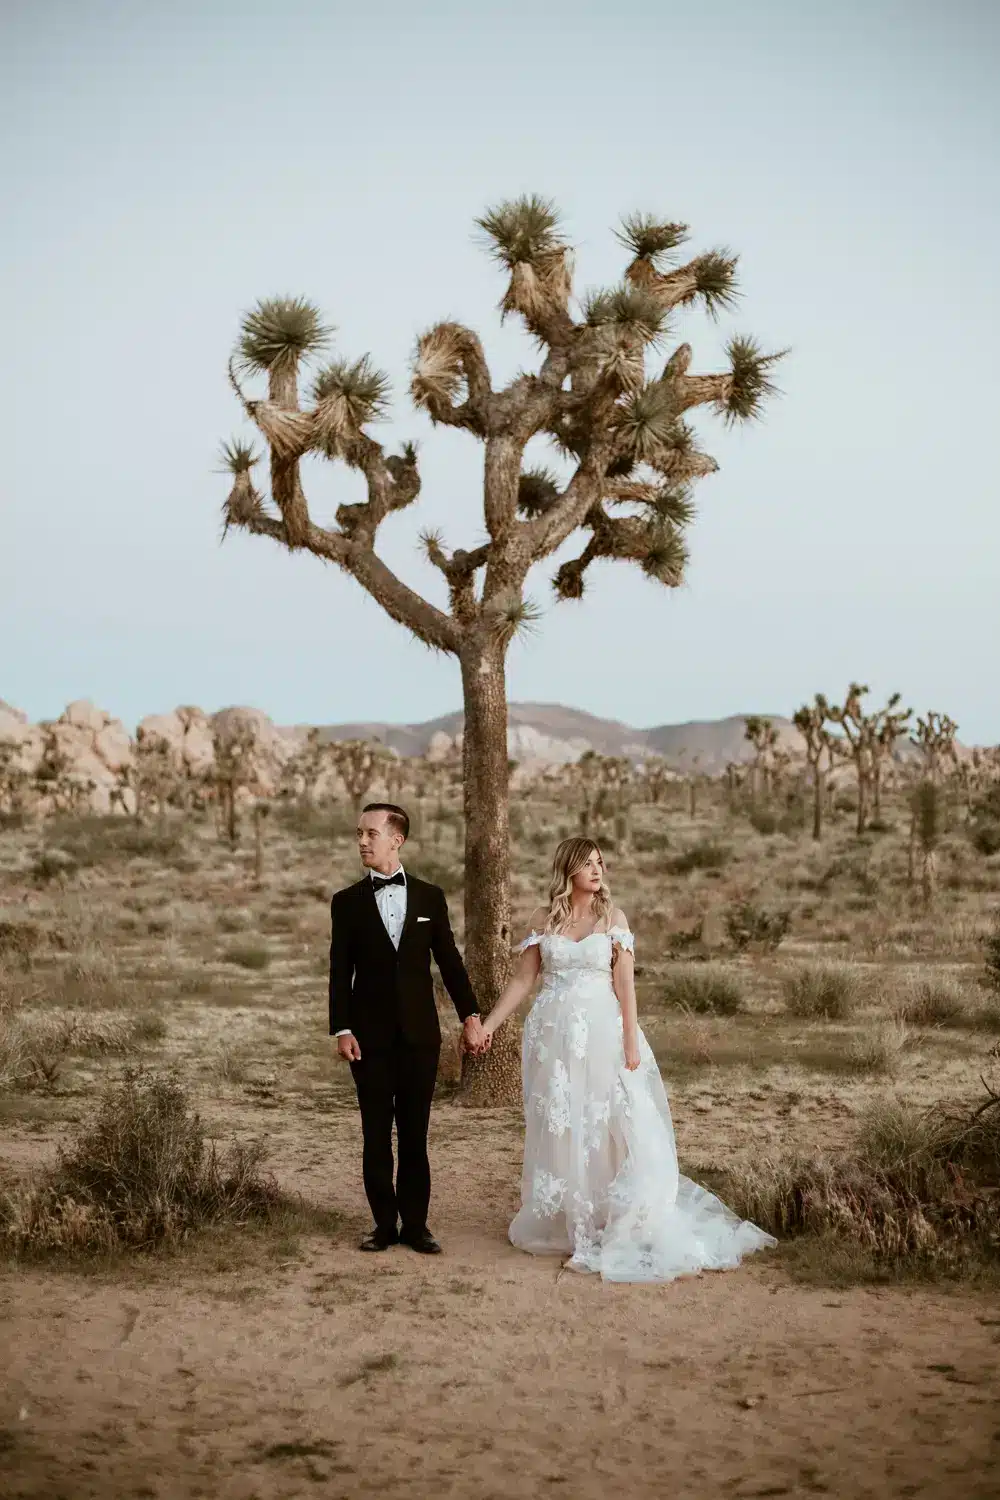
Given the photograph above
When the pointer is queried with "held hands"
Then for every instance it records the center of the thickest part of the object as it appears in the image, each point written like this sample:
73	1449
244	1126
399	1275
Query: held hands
475	1037
347	1048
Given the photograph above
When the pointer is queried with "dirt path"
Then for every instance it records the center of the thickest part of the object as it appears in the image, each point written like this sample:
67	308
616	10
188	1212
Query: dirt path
484	1373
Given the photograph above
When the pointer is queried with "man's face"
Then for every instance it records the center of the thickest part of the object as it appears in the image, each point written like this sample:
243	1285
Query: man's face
378	842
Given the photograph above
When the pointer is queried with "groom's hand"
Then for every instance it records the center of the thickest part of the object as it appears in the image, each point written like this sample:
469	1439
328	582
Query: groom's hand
348	1048
474	1038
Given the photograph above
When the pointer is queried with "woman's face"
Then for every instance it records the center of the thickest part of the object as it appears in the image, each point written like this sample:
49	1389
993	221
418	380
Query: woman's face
589	876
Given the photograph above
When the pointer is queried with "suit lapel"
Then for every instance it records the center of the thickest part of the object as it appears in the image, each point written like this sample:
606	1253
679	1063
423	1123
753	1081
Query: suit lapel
414	909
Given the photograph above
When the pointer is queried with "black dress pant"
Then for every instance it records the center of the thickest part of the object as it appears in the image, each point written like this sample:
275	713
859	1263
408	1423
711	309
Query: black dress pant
396	1083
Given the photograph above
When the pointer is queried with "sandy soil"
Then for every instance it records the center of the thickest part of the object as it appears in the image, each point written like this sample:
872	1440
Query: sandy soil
482	1373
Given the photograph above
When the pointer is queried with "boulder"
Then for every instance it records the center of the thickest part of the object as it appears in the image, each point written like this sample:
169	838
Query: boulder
82	714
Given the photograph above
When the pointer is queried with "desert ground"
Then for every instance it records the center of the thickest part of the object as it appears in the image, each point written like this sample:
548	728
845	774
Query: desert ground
280	1361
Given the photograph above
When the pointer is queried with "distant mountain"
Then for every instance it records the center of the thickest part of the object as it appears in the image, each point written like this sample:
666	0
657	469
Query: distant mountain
554	733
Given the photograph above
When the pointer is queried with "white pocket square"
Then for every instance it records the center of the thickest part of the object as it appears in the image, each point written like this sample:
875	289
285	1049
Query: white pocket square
423	919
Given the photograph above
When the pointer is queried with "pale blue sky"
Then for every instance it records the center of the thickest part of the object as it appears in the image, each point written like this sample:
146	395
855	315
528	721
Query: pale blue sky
163	166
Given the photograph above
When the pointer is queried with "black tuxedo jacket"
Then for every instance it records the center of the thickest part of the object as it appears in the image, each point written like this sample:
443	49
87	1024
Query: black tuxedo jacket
373	987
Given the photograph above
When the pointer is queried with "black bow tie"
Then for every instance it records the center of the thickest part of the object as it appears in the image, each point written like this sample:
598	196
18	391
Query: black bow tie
378	881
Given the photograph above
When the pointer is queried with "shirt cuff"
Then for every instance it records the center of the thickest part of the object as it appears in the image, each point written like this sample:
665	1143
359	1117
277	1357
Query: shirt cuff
346	1032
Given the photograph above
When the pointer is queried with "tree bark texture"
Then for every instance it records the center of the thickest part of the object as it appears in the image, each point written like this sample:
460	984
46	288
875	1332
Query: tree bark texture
496	1078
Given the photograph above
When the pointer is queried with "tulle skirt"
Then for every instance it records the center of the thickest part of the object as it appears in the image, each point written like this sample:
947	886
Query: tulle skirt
600	1183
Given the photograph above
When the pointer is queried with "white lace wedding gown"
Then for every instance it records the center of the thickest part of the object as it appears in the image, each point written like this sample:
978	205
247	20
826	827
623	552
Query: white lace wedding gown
600	1181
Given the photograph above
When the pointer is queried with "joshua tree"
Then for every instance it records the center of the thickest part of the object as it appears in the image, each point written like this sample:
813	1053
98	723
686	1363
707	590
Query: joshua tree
357	762
763	737
656	776
629	461
935	738
811	720
303	771
157	776
870	739
13	778
925	834
234	772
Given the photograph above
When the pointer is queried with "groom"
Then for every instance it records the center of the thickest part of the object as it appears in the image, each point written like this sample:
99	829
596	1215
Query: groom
382	1012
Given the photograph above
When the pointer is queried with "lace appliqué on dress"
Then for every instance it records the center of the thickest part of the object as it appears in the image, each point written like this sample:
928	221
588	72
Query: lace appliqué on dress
600	1182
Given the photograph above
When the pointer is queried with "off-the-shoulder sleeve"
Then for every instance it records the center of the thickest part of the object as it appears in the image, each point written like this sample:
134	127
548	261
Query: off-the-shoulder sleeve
531	941
622	938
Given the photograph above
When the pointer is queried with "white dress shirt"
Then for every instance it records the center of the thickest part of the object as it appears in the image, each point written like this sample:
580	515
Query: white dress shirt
391	903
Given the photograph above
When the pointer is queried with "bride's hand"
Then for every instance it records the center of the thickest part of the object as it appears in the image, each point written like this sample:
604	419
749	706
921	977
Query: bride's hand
632	1058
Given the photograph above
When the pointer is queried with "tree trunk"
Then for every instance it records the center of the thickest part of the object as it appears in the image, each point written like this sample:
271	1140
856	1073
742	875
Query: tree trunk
496	1078
862	774
258	846
877	791
817	802
693	797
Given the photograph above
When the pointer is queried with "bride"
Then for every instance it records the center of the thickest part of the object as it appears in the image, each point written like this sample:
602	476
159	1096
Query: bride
600	1181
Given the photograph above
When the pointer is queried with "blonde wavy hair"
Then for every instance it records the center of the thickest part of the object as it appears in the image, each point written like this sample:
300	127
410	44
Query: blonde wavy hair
570	857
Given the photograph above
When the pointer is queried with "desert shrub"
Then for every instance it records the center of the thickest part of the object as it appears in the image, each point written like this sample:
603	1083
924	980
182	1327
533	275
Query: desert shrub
707	854
933	1000
35	1047
52	864
856	868
984	835
764	820
919	1193
248	956
879	1048
141	1174
822	992
705	989
20	941
650	840
90	841
237	920
447	873
323	823
752	926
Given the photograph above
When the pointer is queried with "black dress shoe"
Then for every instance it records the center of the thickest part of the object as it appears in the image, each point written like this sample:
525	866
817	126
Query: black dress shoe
380	1239
423	1242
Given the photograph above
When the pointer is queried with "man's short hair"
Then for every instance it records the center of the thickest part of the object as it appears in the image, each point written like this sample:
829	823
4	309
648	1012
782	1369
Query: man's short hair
396	817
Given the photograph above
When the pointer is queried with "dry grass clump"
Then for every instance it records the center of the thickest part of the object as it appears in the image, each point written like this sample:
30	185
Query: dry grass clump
248	956
822	992
879	1048
933	1000
706	854
920	1192
140	1176
34	1047
704	989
